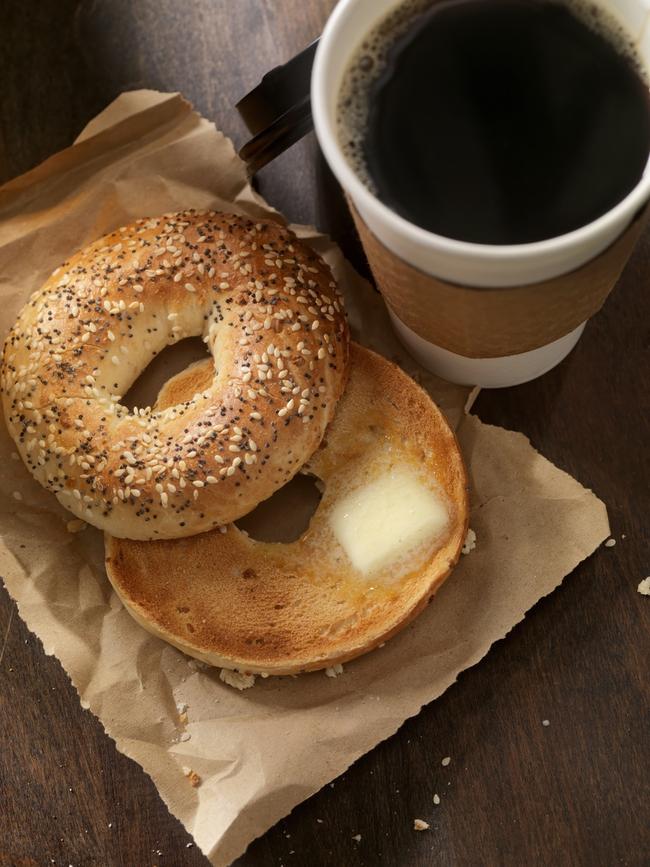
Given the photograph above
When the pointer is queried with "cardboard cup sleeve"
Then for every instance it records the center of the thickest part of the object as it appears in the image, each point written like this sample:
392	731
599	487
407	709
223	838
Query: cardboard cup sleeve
494	322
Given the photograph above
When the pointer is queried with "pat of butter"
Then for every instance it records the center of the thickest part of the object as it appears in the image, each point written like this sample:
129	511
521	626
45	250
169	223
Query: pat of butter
381	522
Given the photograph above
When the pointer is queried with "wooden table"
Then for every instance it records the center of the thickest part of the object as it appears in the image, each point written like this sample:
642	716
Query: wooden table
574	792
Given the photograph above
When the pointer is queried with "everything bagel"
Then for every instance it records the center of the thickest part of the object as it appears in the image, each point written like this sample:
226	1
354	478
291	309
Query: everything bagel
270	313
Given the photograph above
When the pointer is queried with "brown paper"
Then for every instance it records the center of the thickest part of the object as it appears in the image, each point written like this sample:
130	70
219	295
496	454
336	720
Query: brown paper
493	322
262	751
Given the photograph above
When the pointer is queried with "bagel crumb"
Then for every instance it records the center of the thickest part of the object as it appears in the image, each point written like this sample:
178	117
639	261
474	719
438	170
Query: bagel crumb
610	543
445	761
237	679
470	542
436	799
644	587
193	777
76	525
334	670
420	825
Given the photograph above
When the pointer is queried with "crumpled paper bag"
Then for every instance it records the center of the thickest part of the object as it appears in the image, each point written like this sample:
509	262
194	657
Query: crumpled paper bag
262	751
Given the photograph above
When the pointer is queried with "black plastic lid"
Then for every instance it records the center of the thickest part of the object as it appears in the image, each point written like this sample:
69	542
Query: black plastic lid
278	110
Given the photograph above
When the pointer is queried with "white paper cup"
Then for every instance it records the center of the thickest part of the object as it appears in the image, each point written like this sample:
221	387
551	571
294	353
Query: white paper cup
458	262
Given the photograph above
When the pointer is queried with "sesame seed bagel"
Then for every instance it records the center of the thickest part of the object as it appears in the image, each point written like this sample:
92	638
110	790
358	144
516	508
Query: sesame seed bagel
276	608
271	315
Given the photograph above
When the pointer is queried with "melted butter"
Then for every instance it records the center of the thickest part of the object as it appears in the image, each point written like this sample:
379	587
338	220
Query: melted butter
386	520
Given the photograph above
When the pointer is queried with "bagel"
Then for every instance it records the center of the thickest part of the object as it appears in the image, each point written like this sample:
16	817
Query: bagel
274	608
271	315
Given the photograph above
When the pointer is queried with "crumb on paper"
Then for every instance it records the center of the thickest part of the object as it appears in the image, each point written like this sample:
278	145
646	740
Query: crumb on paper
470	542
610	543
334	670
17	495
546	722
181	710
445	761
237	679
185	737
644	587
193	777
436	799
357	837
76	525
420	825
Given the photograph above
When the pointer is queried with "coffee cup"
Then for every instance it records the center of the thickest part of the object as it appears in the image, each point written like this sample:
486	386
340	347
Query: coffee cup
519	295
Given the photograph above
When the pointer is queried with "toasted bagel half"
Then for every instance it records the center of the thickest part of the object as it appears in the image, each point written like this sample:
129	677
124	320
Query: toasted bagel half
387	532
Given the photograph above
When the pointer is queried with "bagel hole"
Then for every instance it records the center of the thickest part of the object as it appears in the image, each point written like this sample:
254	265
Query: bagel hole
285	516
169	361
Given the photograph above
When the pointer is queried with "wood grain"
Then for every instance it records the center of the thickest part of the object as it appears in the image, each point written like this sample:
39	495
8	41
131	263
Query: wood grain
516	792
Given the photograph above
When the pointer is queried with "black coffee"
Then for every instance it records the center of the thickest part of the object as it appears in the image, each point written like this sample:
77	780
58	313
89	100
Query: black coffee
497	121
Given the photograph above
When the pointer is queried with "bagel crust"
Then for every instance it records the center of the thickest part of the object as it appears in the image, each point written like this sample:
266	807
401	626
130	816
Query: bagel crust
270	313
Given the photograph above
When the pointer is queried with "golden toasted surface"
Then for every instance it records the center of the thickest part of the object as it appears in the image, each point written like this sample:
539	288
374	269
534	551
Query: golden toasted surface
283	608
271	315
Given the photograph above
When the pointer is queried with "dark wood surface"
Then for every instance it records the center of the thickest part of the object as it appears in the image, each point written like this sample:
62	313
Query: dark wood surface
574	792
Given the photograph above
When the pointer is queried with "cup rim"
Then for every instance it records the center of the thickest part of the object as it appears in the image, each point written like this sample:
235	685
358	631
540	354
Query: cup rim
324	125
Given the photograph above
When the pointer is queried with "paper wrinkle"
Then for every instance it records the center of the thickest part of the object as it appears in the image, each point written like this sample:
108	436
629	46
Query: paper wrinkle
262	751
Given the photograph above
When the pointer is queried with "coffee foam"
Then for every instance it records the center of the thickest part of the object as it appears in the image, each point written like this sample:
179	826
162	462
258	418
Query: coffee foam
372	56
